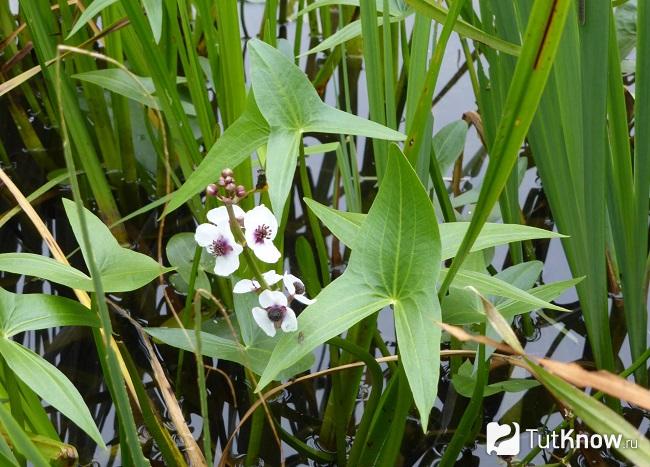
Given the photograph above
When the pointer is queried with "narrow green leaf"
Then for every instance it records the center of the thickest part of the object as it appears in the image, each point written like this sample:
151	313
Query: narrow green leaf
154	10
432	10
345	226
51	385
595	415
91	10
30	312
138	88
249	132
45	268
253	357
20	440
533	67
112	259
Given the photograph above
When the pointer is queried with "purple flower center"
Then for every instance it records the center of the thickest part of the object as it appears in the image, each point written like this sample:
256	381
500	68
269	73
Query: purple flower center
220	247
276	313
261	233
300	288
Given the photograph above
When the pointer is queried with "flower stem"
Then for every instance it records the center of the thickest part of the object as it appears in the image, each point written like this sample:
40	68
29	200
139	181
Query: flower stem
239	236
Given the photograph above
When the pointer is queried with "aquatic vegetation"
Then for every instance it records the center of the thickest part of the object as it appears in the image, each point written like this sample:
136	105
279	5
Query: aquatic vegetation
298	245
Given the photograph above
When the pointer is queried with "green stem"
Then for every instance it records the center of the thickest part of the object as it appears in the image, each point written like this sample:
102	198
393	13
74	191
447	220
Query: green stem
464	429
321	249
239	236
203	398
257	427
186	315
377	381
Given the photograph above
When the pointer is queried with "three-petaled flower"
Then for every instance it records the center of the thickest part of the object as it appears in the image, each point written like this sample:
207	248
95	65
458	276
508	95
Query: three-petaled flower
261	227
274	313
220	243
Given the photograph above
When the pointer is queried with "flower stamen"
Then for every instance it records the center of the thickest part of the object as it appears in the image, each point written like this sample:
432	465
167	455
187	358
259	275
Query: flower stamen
220	247
263	232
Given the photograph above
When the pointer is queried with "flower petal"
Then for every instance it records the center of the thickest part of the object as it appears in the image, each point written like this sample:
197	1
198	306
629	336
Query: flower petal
289	323
227	264
261	215
272	297
245	286
289	280
262	319
218	215
205	234
304	300
272	277
236	247
266	251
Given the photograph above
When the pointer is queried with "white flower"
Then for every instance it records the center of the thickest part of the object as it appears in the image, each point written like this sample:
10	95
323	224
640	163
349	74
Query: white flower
248	285
220	243
219	216
274	313
261	228
296	288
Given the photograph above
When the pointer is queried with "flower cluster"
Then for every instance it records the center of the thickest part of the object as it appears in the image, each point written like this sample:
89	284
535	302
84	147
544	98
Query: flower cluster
260	228
274	312
256	230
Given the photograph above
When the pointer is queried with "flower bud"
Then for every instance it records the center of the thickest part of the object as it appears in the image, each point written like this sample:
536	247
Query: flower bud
241	191
231	187
227	173
212	190
221	181
228	180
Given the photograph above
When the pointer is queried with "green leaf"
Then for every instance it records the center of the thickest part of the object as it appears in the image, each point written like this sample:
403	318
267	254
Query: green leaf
418	338
595	415
452	233
291	106
20	441
49	269
121	269
138	88
154	10
253	357
91	10
399	267
346	225
491	285
448	143
533	68
249	132
50	384
30	312
180	254
432	10
462	306
345	34
281	156
464	383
